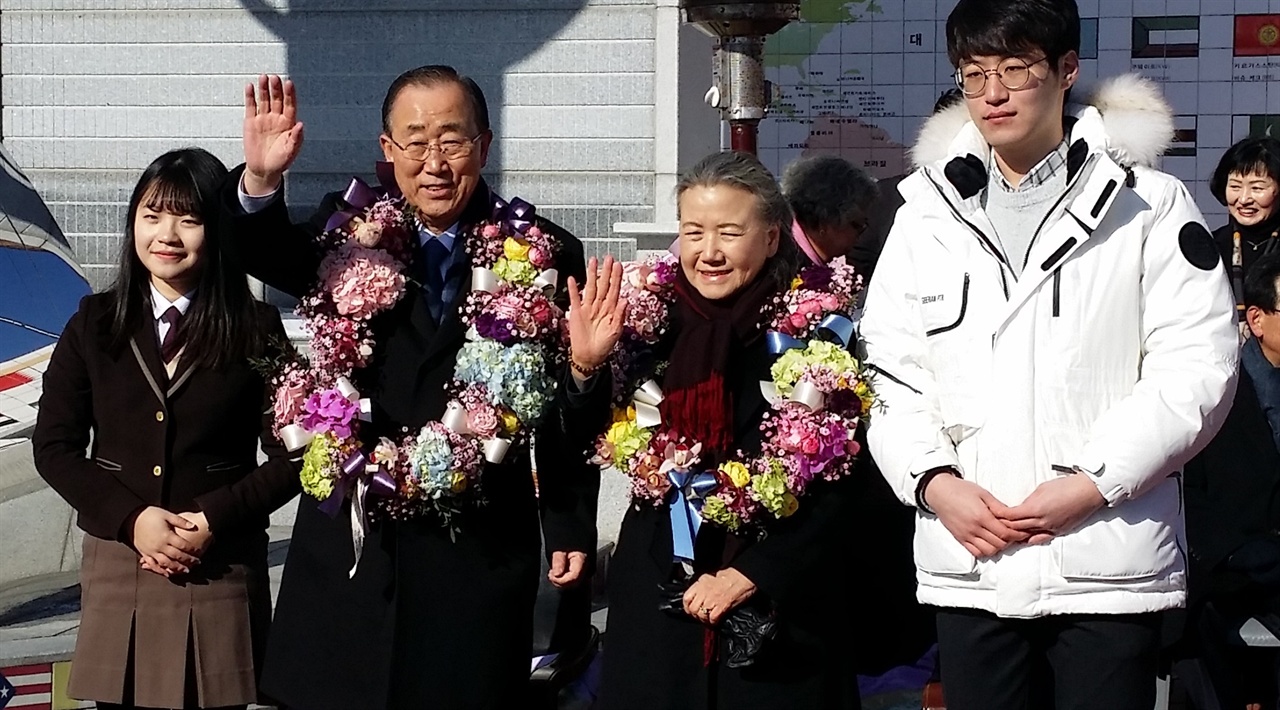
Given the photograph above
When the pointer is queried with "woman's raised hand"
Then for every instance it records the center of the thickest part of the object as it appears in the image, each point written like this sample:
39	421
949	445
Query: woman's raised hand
595	316
272	133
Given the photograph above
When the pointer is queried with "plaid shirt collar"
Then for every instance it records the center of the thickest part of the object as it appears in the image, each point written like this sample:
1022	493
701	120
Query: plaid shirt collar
1039	175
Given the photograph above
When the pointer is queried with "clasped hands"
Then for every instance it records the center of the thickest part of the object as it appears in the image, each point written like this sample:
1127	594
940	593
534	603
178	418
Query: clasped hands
169	543
712	596
986	526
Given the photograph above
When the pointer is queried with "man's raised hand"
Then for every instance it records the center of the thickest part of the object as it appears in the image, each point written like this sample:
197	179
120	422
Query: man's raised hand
272	133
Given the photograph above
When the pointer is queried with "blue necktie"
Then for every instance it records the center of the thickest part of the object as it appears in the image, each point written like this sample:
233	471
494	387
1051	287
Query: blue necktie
436	253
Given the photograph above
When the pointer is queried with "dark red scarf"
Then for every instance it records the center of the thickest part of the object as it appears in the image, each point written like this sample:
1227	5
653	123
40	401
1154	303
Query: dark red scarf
696	403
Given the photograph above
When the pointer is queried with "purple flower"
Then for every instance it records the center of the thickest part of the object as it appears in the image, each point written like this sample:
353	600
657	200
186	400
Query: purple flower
817	278
329	411
491	327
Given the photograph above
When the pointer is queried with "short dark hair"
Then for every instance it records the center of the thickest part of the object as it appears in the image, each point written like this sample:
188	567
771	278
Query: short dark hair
1260	154
827	190
1260	283
222	325
1008	28
433	75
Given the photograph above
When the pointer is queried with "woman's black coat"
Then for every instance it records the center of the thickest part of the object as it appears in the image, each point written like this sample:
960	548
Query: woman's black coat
655	661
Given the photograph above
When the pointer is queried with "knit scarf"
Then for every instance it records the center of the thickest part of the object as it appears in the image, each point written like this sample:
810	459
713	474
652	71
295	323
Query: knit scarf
696	403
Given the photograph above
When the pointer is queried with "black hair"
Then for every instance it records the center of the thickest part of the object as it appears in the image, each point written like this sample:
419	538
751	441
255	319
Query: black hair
1259	155
745	172
827	190
1013	28
221	325
433	75
1260	283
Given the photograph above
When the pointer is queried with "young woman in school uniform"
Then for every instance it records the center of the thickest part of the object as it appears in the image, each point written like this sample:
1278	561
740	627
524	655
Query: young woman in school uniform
154	379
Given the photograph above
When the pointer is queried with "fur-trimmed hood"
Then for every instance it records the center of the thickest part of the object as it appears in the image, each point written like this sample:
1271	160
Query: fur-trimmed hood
1136	124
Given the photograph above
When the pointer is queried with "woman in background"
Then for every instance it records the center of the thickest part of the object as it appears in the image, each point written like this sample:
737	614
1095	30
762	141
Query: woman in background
1247	182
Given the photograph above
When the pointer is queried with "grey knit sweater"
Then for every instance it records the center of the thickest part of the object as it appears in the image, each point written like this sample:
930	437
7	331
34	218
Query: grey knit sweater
1016	213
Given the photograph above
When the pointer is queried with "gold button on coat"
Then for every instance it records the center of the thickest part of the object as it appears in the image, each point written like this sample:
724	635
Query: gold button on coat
155	471
159	416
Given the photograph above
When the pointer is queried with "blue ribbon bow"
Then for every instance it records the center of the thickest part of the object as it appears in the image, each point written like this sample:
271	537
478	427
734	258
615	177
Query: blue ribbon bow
691	490
835	328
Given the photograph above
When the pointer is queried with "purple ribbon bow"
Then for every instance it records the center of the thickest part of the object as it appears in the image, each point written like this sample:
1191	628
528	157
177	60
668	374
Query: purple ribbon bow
359	196
355	468
515	216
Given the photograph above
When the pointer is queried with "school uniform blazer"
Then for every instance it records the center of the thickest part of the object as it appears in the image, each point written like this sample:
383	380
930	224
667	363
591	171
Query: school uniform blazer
185	445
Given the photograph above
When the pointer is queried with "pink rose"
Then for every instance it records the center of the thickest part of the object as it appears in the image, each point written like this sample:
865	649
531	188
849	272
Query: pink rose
490	231
508	308
540	310
538	258
798	320
288	402
483	421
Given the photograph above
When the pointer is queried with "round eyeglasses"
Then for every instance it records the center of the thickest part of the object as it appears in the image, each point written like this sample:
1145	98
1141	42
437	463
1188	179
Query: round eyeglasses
448	149
1013	73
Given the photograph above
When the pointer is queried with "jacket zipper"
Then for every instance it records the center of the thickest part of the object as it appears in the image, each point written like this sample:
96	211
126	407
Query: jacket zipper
1065	194
964	307
986	241
1057	292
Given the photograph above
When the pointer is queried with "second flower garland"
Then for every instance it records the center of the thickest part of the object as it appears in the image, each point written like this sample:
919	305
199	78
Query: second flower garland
818	391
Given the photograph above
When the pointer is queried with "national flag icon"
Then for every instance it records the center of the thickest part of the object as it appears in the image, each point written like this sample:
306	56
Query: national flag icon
1185	133
26	687
1166	37
1257	35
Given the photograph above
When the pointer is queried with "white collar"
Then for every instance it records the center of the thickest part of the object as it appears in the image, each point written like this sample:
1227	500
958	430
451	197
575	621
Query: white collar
160	304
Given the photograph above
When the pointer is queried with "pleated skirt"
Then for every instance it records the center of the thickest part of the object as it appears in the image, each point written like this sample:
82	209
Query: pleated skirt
213	620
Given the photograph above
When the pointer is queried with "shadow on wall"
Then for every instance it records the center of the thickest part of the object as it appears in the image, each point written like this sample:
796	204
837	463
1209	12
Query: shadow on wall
342	55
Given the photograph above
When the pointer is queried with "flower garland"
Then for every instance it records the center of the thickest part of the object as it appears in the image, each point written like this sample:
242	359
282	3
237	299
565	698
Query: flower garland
502	379
818	393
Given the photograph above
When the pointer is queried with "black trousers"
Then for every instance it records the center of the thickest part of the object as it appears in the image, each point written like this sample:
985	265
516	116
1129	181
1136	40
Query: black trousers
1066	662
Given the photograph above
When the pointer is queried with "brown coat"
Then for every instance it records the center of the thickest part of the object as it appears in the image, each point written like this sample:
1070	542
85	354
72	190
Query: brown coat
186	445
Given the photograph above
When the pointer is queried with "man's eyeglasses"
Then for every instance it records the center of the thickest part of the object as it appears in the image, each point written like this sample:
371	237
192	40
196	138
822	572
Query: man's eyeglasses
1013	73
448	149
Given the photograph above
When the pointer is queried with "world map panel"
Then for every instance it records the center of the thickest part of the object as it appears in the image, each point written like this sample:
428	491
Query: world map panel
859	77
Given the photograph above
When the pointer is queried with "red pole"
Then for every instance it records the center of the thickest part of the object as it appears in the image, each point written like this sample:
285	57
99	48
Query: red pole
742	136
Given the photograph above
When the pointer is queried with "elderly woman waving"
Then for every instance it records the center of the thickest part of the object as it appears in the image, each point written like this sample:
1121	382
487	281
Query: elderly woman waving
736	404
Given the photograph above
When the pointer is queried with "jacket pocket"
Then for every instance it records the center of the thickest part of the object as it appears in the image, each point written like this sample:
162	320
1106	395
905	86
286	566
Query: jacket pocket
941	315
223	466
107	464
1135	541
937	551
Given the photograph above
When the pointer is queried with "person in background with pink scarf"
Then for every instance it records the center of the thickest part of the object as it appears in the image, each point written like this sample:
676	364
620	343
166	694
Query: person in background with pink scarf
831	198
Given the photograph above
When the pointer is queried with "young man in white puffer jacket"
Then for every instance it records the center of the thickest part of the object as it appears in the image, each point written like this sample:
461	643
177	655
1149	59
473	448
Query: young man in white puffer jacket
1053	337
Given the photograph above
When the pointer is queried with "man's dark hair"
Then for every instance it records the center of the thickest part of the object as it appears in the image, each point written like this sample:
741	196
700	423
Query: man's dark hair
1260	155
947	99
1260	283
829	191
1009	28
433	75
